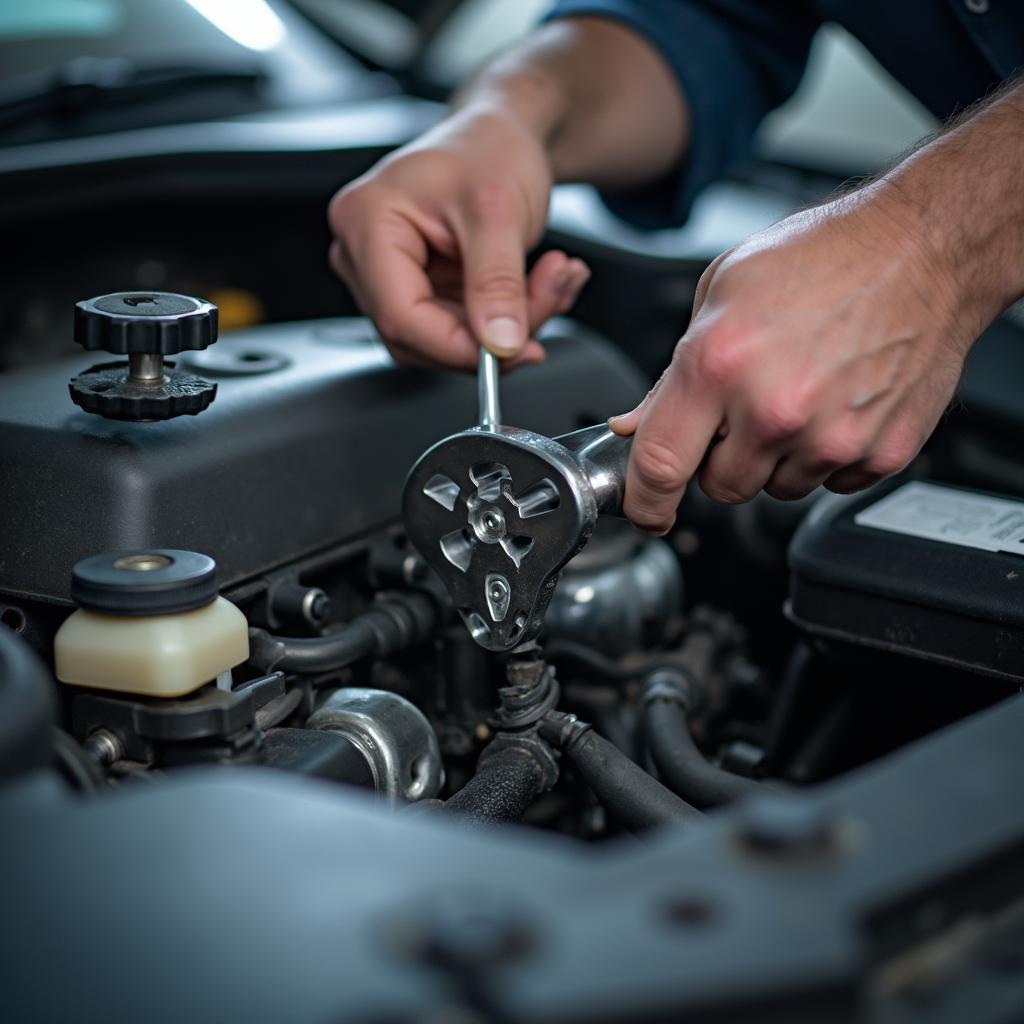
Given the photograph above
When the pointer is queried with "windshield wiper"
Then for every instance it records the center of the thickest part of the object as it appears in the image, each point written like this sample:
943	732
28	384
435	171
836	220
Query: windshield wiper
86	84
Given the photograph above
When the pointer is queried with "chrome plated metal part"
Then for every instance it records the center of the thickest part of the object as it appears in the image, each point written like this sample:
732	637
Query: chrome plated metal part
497	512
604	455
396	739
620	594
488	394
146	367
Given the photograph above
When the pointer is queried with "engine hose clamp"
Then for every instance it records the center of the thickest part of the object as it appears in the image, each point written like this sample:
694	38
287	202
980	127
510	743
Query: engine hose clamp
678	685
519	710
530	745
563	729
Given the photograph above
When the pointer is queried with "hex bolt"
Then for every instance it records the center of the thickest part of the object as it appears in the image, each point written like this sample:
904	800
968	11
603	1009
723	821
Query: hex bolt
104	746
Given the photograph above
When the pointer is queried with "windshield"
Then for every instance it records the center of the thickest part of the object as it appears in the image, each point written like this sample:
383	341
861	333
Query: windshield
210	45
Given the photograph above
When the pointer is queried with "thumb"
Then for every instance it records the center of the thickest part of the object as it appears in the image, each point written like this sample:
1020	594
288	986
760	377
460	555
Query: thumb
494	276
625	423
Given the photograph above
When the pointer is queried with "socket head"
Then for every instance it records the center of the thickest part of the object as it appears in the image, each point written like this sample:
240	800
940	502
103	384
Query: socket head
497	514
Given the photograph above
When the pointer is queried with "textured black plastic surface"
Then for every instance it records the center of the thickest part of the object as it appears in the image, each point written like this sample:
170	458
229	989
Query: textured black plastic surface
148	581
156	322
282	464
107	391
947	603
254	896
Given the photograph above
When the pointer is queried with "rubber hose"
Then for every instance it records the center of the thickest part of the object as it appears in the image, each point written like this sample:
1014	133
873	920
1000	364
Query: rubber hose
501	791
580	658
681	764
323	653
628	793
387	627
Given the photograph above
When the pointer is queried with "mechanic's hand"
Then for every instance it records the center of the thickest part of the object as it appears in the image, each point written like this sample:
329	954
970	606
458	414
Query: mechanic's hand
821	351
432	241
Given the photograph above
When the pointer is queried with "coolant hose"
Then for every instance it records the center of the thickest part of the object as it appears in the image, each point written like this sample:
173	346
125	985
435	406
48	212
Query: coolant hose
393	624
504	787
628	793
680	763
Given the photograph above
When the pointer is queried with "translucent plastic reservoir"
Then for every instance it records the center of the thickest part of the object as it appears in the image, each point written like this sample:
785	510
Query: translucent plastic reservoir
157	655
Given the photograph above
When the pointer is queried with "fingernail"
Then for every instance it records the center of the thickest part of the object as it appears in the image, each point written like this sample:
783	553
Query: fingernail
572	287
620	425
503	336
576	277
656	531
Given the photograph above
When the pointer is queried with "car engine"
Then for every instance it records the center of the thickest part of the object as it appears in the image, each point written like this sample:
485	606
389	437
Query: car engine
257	762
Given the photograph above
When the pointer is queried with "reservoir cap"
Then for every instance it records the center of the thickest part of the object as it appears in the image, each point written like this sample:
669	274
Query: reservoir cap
147	581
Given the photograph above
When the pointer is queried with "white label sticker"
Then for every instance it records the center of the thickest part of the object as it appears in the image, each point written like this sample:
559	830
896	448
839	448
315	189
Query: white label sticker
951	516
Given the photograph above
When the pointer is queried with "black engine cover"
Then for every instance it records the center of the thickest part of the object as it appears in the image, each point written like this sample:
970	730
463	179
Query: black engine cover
307	445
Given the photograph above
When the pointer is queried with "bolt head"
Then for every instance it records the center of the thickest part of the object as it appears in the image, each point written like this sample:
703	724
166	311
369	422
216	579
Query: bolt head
474	930
488	523
320	608
784	825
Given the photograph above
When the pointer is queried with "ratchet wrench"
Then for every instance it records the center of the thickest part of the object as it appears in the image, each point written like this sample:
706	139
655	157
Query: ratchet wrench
497	511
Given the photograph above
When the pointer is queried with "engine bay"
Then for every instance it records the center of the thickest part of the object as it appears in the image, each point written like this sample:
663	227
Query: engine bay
329	694
284	779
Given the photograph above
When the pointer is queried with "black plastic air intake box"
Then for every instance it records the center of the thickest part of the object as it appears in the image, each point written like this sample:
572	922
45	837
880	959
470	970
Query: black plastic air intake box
915	568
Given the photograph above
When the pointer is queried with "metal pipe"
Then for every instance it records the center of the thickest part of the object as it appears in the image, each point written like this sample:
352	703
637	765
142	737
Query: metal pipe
488	396
145	367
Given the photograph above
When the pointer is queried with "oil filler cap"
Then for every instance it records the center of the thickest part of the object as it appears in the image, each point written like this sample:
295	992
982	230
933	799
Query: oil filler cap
158	323
146	327
149	581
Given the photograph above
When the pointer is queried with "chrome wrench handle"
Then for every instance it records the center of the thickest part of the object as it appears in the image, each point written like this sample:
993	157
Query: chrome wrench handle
604	456
488	377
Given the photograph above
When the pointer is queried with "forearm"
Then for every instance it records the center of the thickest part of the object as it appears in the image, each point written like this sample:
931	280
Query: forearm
596	94
964	196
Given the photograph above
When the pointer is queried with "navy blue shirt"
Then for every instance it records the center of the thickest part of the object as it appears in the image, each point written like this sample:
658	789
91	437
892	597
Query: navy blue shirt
738	59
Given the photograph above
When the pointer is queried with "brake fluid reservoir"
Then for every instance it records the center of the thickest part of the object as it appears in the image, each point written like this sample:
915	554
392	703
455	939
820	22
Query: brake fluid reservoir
150	623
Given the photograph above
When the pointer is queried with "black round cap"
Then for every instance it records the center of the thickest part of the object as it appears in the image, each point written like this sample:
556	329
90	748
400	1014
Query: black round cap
156	322
148	581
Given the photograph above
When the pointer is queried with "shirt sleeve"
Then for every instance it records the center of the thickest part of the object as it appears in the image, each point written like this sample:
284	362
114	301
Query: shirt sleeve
735	60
